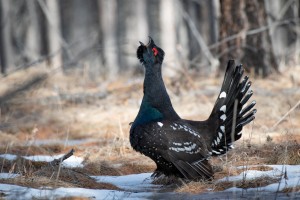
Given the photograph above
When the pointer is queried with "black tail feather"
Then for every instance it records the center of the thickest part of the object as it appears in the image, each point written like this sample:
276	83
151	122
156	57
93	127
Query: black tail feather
247	97
247	108
233	96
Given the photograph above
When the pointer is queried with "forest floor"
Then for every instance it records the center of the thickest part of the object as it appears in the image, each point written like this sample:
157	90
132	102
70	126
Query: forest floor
50	116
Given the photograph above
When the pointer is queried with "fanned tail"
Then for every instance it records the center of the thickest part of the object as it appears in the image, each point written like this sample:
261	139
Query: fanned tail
228	111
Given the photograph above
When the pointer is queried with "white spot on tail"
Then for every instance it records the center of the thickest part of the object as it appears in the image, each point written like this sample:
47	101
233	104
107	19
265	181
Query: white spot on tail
216	152
177	144
222	128
222	95
223	117
220	135
223	108
160	124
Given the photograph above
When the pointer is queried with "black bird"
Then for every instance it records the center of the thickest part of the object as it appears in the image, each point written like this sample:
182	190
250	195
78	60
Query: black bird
183	147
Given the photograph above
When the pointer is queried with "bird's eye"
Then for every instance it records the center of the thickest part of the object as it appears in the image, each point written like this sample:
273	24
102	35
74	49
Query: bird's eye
155	51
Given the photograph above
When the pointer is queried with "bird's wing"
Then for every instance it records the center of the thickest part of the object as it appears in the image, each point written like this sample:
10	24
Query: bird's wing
180	144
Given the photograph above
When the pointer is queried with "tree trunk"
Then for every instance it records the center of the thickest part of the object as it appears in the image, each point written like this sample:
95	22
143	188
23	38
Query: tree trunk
132	27
168	35
5	38
253	50
258	50
153	19
81	32
232	21
108	20
54	39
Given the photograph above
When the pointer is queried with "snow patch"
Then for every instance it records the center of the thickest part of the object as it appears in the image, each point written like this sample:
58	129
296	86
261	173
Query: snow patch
71	162
8	156
137	182
8	175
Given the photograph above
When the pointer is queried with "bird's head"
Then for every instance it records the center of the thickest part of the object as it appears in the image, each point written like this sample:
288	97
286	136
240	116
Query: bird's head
150	54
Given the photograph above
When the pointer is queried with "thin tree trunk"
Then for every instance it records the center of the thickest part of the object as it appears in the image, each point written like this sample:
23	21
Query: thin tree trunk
54	37
168	35
32	42
107	15
132	27
153	20
5	37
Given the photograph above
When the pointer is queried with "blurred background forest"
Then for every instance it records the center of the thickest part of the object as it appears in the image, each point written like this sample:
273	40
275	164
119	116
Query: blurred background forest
100	37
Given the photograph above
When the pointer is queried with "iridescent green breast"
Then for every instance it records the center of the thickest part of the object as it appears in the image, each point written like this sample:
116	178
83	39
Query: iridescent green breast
147	114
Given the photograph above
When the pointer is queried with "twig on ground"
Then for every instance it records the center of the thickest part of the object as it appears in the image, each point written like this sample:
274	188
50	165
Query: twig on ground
58	161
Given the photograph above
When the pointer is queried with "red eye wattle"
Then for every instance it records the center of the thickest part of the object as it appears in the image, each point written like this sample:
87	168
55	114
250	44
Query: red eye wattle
155	51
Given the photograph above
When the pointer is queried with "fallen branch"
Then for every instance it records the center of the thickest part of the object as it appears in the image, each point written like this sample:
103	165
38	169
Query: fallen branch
23	87
58	161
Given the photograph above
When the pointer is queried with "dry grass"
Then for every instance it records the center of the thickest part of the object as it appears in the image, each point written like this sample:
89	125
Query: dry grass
70	180
67	108
196	187
291	189
209	186
206	186
252	183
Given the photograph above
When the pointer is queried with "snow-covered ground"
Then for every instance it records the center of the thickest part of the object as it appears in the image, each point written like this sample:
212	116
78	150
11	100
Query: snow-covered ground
24	193
139	186
72	161
132	182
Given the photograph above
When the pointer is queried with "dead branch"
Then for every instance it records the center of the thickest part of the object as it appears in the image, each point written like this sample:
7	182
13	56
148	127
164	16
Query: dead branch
286	114
58	161
252	32
206	51
23	87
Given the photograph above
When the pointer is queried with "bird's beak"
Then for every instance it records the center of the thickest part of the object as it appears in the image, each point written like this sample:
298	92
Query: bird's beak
141	43
150	41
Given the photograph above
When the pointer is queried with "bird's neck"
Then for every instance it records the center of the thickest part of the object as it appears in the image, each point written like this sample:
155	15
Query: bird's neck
156	99
154	87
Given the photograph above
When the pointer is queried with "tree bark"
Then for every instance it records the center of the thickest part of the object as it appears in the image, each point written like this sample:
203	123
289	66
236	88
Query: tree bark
232	21
258	50
253	50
